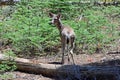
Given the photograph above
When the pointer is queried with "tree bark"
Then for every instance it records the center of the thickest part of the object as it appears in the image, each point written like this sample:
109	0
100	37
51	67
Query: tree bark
55	70
8	2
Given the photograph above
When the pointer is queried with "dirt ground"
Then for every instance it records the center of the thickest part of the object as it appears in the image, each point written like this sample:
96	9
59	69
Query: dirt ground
110	57
81	59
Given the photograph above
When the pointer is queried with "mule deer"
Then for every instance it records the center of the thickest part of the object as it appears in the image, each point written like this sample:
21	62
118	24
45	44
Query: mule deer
67	36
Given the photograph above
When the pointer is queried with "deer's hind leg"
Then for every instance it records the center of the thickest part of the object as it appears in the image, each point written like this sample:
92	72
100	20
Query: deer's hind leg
72	43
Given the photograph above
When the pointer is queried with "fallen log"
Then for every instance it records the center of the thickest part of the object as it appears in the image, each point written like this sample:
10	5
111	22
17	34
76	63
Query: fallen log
57	70
8	2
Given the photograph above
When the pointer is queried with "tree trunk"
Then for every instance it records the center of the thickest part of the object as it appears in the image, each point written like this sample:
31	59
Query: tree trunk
56	70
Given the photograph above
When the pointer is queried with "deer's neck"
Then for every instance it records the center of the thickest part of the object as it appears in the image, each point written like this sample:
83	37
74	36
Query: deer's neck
59	26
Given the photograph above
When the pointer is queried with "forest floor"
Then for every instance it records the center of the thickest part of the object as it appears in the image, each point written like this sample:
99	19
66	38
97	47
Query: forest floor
109	58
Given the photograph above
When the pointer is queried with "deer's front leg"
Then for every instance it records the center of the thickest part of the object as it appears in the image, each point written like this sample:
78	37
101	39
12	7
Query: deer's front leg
63	51
63	42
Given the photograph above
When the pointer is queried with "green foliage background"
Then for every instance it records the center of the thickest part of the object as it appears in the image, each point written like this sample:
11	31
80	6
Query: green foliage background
26	28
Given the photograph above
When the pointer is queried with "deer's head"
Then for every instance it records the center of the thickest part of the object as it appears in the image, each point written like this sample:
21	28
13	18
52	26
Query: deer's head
55	18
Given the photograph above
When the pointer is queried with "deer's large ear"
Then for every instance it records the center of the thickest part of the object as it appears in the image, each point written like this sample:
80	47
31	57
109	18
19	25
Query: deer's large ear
51	14
59	16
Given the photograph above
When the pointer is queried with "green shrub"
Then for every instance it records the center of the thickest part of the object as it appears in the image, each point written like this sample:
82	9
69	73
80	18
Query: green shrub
29	31
8	65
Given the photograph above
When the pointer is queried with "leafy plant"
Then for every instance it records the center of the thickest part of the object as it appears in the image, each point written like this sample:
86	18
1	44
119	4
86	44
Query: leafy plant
29	31
8	65
6	76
